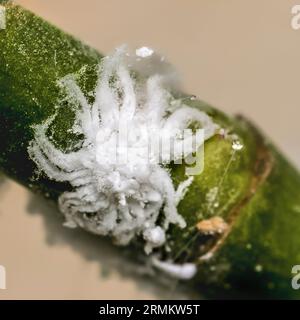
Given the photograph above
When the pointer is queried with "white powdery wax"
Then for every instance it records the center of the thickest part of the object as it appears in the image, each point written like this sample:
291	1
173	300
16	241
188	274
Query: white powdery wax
144	52
185	271
121	199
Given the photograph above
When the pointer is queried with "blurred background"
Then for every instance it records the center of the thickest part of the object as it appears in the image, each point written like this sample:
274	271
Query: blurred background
241	56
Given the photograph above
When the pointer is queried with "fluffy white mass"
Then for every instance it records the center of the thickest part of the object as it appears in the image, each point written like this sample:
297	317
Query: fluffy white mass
122	199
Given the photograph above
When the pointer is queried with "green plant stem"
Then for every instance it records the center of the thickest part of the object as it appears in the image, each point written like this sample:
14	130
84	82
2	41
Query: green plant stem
258	190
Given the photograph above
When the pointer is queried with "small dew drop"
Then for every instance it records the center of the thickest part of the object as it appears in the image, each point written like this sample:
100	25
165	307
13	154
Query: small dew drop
144	52
236	145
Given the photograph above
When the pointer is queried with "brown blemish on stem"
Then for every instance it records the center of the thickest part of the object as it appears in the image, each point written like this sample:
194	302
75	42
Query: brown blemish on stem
212	226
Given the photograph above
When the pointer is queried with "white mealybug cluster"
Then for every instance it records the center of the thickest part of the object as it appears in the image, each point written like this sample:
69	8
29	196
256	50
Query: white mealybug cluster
121	199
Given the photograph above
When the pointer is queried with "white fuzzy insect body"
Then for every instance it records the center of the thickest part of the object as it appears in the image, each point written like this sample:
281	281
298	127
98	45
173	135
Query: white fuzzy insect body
122	199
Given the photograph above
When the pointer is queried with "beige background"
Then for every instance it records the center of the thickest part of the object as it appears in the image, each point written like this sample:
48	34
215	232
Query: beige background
242	56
